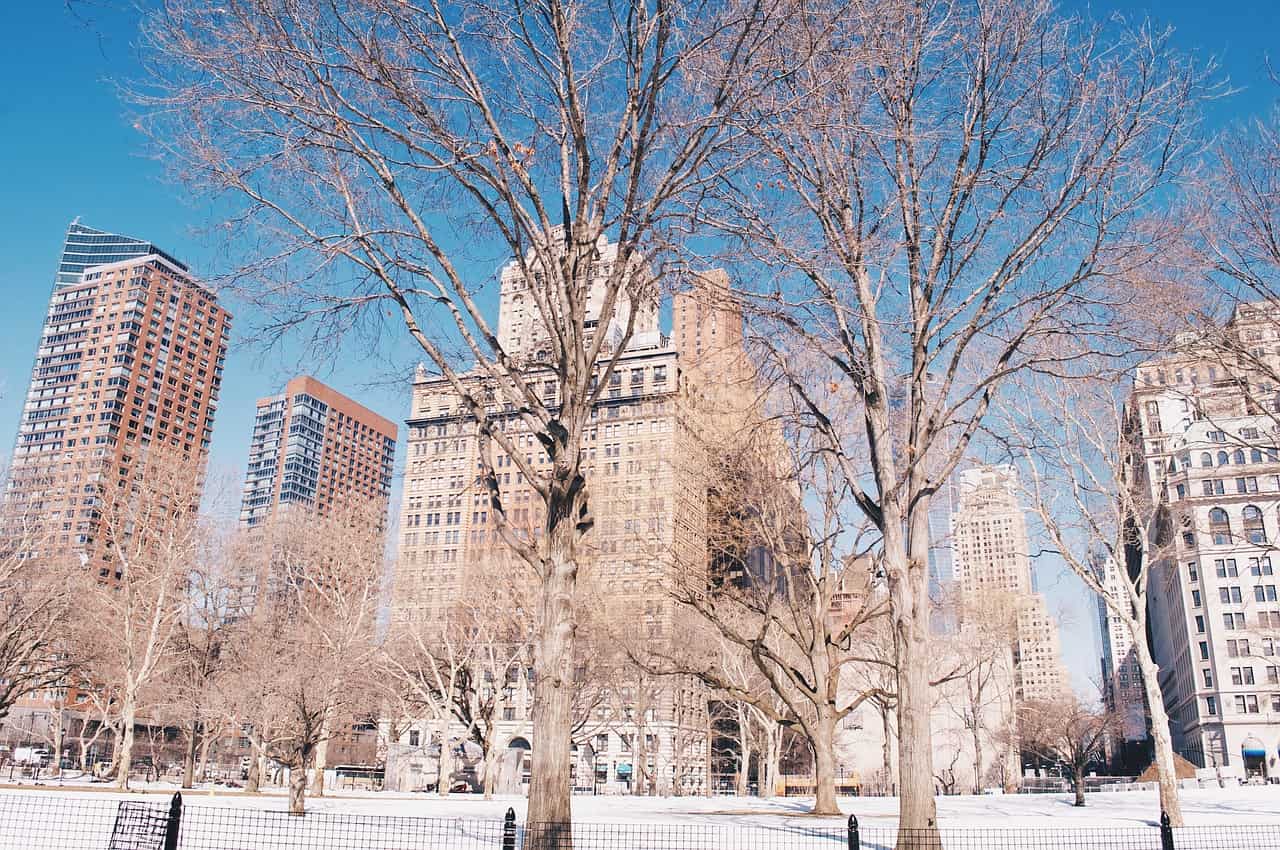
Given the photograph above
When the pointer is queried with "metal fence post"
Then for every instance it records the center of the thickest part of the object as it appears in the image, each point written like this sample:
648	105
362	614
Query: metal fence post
509	830
174	823
1166	832
855	842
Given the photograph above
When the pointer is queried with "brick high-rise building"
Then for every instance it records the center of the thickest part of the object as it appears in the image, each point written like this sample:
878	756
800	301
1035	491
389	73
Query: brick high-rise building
992	554
312	445
130	356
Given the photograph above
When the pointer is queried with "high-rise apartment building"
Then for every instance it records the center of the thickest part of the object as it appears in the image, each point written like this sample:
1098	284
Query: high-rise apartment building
992	554
650	519
130	356
312	445
1203	432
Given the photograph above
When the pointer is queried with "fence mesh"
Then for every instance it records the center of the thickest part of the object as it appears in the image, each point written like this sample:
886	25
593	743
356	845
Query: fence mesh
55	821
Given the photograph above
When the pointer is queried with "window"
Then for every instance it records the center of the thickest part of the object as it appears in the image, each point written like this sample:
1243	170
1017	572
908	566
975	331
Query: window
1260	566
1246	703
1273	675
1204	650
1195	599
1211	706
1206	459
1264	593
1222	459
1200	624
1242	675
1226	567
1237	456
1213	487
1192	573
414	737
1228	595
1217	436
1254	529
1233	621
1219	525
1208	678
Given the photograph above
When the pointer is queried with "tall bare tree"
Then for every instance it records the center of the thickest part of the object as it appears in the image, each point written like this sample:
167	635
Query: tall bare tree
315	618
1095	505
151	535
939	187
370	143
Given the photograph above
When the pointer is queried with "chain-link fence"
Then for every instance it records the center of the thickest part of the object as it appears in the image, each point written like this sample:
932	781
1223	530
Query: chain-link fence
53	821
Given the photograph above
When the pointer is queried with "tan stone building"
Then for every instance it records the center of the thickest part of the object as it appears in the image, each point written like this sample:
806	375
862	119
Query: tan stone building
649	501
992	554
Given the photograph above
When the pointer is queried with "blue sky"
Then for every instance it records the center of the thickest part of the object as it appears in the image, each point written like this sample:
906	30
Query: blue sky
69	149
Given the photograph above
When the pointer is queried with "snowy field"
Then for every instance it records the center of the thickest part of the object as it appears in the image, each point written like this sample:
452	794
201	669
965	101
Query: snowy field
71	818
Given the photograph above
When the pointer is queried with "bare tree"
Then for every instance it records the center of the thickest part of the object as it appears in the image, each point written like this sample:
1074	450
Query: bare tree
1095	505
789	585
151	534
1068	731
368	143
309	668
36	600
939	187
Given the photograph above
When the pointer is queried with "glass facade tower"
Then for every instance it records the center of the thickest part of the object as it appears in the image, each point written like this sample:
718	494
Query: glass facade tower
85	247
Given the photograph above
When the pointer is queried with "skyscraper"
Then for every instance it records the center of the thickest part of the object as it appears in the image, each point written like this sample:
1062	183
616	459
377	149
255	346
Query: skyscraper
992	554
312	445
649	511
131	355
1122	689
85	247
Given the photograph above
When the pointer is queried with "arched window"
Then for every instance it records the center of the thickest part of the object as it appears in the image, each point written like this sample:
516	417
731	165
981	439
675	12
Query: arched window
1222	458
1254	529
1219	526
1206	459
1255	455
1238	456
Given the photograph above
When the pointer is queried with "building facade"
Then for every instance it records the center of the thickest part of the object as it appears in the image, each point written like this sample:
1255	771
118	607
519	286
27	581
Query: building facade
1122	687
992	555
312	445
1203	431
649	509
130	359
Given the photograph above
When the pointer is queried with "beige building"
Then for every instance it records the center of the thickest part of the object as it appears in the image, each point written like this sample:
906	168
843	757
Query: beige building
1203	429
649	502
992	554
1122	688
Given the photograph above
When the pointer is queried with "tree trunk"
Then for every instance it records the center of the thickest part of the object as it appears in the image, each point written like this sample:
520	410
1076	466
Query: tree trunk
1166	772
918	814
202	766
444	764
124	752
824	762
322	761
886	749
298	789
189	757
549	793
57	741
254	776
1077	777
773	754
975	729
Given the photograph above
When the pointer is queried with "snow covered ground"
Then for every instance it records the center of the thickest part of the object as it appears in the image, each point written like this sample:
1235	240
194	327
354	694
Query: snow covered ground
70	818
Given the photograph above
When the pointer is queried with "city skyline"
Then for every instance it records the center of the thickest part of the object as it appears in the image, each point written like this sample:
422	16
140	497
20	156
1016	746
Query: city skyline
132	200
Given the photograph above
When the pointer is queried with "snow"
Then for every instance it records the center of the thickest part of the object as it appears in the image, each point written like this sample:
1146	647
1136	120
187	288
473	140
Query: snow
464	822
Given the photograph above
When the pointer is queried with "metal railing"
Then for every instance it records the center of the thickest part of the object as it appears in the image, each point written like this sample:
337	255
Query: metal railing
52	820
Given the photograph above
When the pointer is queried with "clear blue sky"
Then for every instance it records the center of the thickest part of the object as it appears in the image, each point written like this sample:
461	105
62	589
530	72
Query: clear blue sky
68	149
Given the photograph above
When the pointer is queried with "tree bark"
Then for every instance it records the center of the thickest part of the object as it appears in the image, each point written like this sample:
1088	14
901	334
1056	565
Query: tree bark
549	793
824	761
1166	771
769	772
886	749
444	764
202	765
58	736
189	757
1077	777
124	753
298	789
254	777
